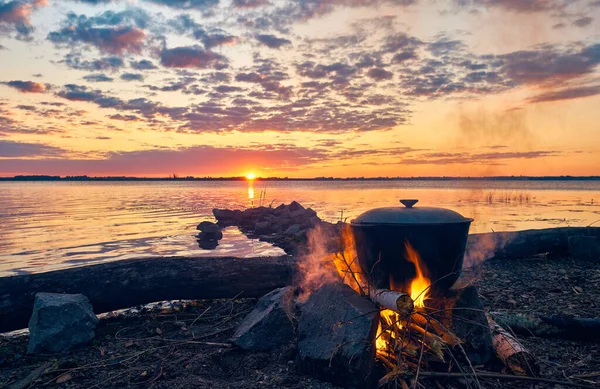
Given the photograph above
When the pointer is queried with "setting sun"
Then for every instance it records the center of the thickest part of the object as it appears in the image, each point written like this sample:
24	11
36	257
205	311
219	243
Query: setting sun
250	176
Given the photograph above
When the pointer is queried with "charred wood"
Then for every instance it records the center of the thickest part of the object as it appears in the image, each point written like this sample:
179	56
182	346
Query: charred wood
398	302
123	284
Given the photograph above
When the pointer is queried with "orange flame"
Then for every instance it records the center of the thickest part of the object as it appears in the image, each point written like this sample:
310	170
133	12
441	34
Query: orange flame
346	262
420	284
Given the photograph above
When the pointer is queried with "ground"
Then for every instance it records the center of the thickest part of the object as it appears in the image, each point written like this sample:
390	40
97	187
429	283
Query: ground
188	348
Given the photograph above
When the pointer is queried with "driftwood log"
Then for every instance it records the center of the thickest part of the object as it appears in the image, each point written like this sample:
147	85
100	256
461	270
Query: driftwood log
550	326
522	244
123	284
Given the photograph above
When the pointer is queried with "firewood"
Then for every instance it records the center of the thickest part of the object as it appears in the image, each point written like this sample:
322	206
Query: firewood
550	326
437	328
510	351
390	299
127	283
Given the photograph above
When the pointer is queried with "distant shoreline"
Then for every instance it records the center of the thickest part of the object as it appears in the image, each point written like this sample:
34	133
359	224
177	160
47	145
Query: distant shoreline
38	178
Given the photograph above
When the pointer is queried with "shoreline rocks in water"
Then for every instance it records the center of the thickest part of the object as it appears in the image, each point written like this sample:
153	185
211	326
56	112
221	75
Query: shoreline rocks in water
209	236
285	226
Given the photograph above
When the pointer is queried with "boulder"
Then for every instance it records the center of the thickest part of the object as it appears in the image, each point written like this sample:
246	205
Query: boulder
262	227
227	217
270	325
60	322
295	206
336	336
208	244
584	247
218	235
291	230
208	227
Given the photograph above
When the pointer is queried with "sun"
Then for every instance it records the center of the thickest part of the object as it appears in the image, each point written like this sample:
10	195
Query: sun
250	176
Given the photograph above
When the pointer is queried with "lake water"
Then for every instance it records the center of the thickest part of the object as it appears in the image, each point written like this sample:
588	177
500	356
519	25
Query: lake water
50	225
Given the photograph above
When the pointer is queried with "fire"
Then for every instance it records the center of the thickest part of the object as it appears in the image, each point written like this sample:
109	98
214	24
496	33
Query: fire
389	318
346	262
420	284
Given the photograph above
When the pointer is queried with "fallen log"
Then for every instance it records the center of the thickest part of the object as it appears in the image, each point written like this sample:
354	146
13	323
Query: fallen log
511	352
522	244
128	283
398	302
550	326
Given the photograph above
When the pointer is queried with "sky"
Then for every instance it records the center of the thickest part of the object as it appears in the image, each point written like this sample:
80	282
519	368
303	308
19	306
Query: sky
300	88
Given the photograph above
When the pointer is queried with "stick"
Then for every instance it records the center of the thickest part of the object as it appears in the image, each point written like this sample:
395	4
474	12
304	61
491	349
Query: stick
554	326
514	355
390	299
423	320
34	375
507	377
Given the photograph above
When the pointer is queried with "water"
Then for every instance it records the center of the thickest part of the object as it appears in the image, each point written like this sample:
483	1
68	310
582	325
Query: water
50	225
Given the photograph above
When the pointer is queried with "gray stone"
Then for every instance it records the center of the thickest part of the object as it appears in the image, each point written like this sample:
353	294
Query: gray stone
270	325
60	322
262	227
208	227
291	230
295	206
584	247
218	235
336	336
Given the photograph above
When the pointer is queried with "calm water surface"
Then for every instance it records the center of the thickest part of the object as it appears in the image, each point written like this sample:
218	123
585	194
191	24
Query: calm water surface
49	225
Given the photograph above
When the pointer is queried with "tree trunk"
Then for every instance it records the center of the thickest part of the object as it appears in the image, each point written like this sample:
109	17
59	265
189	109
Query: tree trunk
122	284
510	351
551	326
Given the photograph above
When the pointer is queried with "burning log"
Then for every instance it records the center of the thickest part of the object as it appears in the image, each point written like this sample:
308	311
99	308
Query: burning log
123	284
398	302
514	355
553	326
437	328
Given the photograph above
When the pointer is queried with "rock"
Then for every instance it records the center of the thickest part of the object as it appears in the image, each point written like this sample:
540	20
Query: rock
208	227
584	247
262	227
208	244
336	336
270	325
60	322
295	206
469	323
299	214
309	212
218	235
291	230
283	213
314	221
226	217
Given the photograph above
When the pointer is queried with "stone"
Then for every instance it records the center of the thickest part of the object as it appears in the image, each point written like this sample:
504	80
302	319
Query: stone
208	244
309	212
270	325
208	227
218	235
295	206
336	336
469	323
60	322
227	217
262	227
291	230
584	247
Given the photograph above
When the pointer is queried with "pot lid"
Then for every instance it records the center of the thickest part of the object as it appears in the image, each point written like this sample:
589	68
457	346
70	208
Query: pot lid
407	214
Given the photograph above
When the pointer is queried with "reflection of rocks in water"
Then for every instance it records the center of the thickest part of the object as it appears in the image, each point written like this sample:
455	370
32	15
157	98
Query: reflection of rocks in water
209	235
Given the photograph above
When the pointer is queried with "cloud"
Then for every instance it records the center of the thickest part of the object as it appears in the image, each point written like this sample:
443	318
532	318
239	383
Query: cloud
185	24
583	21
566	94
523	6
187	4
97	78
120	32
132	77
27	86
379	74
79	93
143	64
272	41
14	149
16	14
249	3
111	64
491	158
191	57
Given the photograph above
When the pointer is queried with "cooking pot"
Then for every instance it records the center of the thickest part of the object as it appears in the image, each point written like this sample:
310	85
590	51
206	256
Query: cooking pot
438	235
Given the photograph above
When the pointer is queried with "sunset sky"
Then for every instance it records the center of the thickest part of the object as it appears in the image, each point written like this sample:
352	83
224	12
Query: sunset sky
300	88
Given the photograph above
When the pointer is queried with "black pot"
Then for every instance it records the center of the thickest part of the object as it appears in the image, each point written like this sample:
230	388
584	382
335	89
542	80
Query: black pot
438	235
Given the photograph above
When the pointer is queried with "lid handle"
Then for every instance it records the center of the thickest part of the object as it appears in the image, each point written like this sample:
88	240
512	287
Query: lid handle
409	203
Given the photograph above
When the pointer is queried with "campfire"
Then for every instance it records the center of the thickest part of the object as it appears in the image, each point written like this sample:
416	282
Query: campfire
419	332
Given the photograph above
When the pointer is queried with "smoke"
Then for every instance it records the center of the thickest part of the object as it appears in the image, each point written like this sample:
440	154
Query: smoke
315	270
481	247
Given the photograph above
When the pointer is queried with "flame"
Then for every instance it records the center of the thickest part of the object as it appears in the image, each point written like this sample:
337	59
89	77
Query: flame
388	317
346	262
419	286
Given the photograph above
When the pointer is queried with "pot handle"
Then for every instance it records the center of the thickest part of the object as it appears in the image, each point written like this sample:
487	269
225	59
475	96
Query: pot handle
409	203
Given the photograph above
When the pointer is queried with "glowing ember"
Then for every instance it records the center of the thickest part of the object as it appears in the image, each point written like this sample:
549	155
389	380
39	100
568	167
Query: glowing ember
420	284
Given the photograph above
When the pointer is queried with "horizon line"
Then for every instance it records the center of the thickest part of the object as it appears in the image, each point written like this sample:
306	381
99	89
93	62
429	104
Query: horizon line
321	178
